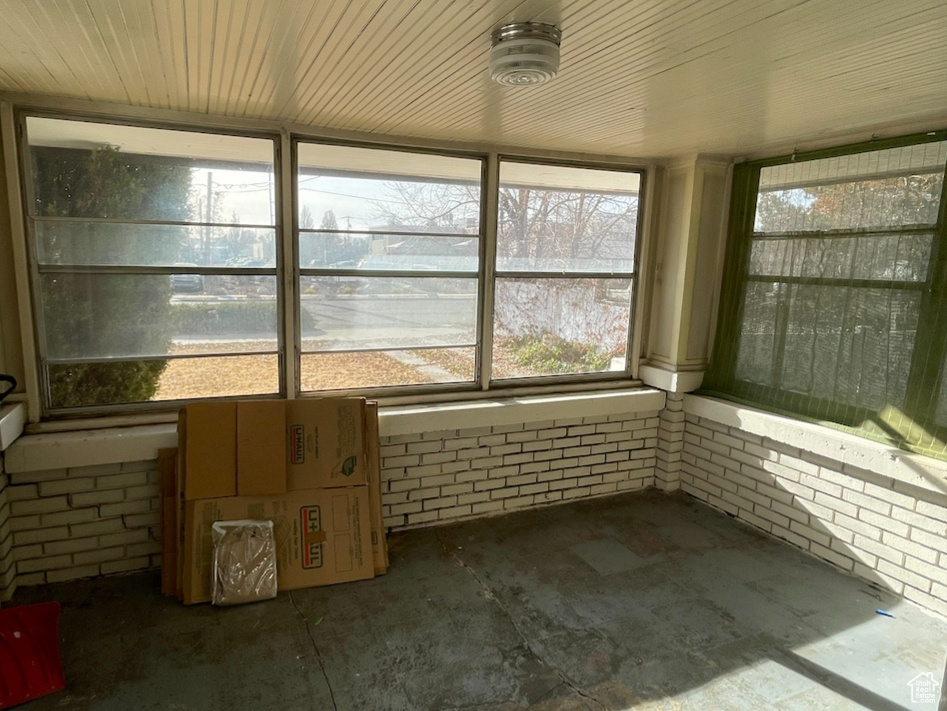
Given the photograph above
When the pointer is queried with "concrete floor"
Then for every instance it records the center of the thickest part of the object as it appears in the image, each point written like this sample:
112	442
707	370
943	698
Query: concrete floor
645	601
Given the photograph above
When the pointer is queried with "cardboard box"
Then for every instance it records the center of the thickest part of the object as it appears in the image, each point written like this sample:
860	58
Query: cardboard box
322	537
373	461
261	447
325	443
207	440
167	464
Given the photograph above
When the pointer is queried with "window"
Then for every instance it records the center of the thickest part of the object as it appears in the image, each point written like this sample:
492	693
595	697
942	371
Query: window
565	268
389	260
154	257
157	262
834	301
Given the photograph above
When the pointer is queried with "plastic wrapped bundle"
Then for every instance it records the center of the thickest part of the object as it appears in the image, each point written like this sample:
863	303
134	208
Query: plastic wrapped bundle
244	562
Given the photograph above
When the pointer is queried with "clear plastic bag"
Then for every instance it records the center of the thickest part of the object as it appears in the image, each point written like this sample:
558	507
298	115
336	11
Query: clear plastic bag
244	567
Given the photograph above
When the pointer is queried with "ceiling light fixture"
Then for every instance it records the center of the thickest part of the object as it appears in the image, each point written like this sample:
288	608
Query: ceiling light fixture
525	54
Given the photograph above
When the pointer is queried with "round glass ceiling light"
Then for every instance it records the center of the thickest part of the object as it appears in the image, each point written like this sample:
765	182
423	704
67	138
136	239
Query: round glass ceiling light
525	54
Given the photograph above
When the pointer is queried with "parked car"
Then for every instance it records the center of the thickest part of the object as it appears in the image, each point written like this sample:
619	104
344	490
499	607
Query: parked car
187	283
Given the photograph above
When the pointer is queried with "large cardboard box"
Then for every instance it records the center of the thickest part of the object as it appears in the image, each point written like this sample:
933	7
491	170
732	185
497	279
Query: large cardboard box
261	447
207	440
322	537
325	442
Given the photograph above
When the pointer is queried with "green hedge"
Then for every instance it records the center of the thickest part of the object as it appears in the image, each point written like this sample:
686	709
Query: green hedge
222	318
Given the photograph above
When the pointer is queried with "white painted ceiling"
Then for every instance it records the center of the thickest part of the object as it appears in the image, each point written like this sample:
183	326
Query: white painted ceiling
640	78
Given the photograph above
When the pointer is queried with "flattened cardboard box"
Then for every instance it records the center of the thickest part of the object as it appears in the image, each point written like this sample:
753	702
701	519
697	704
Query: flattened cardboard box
322	537
325	442
207	441
261	465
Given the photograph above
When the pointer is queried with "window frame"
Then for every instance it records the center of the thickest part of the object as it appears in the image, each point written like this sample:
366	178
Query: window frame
926	356
631	358
285	140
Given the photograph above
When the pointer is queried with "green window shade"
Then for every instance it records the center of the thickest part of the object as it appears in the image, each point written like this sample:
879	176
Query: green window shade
834	303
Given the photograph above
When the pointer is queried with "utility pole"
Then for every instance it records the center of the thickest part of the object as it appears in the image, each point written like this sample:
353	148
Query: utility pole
209	217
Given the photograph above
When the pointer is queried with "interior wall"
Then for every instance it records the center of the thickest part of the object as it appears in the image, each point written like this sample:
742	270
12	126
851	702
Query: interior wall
885	530
7	568
79	522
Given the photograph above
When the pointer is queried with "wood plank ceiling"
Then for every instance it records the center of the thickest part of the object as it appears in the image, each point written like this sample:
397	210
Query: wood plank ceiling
642	78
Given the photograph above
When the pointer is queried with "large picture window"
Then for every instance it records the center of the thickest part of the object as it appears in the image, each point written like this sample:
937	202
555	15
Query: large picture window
162	272
154	256
835	295
565	266
389	260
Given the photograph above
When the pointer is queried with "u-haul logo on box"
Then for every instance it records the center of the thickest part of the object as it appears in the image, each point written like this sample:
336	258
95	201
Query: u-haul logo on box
297	441
313	536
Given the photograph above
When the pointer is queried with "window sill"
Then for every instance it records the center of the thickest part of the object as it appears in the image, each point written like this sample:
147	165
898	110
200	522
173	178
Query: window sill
12	422
58	450
846	451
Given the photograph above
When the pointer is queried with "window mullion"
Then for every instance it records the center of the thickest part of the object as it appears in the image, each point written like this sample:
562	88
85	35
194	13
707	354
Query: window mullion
289	301
930	342
488	257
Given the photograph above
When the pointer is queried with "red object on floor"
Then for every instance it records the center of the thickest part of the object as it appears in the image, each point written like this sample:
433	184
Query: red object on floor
30	666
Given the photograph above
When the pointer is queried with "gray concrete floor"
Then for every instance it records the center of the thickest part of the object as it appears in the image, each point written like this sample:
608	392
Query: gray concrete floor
644	601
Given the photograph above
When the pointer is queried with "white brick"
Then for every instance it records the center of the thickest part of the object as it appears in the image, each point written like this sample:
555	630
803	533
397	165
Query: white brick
890	496
393	450
867	502
933	510
518	502
474	498
936	542
842	561
452	489
99	555
885	523
43	564
424	447
431	492
409	508
487	507
39	506
916	520
126	507
879	549
438	457
26	492
74	573
861	527
95	498
121	480
455	512
836	504
126	565
912	548
905	576
811	533
40	535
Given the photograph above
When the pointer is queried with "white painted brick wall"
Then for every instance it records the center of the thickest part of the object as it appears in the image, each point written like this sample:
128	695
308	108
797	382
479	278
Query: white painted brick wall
670	444
88	521
884	531
84	521
7	568
456	474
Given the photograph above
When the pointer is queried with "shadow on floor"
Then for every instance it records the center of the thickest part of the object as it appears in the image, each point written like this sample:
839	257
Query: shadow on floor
638	601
